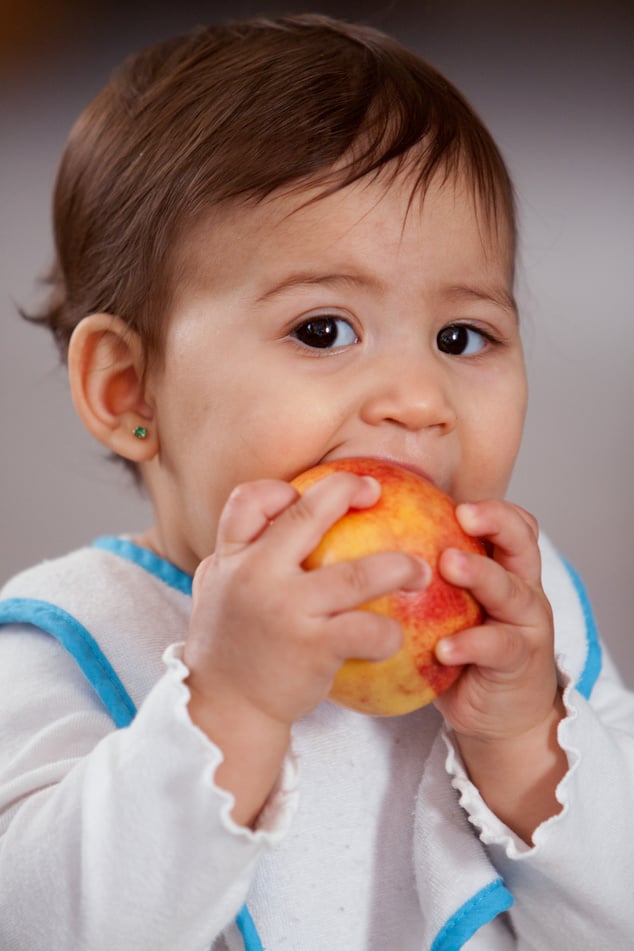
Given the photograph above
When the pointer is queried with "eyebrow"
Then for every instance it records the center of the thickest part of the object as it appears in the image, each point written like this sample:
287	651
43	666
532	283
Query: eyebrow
312	279
494	294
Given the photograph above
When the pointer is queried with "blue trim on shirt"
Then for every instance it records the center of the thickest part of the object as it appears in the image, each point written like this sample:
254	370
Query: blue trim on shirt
81	645
594	655
486	905
146	559
247	929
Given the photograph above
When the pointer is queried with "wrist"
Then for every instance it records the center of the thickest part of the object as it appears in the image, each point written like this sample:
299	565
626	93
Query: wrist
510	744
517	776
253	747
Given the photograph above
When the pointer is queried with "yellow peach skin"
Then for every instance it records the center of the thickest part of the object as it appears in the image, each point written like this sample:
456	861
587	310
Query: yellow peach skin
413	516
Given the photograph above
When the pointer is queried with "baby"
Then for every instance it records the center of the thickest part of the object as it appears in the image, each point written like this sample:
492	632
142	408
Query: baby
281	243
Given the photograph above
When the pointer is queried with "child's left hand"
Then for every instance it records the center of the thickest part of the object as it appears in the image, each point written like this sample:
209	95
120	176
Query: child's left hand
505	707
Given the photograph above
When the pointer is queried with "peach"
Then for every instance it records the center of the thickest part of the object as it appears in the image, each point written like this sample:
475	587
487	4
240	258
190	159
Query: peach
414	516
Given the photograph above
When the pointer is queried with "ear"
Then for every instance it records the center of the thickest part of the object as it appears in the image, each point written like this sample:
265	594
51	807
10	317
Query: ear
105	361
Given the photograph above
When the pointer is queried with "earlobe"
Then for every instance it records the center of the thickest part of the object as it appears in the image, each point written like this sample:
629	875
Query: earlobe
105	364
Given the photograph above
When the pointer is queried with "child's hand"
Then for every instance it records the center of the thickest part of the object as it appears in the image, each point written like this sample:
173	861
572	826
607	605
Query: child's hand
266	636
505	707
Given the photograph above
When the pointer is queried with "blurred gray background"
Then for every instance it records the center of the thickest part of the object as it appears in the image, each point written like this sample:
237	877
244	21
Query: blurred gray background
554	82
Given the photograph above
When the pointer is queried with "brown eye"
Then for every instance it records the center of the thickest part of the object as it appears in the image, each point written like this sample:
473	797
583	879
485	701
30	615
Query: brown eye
460	340
325	333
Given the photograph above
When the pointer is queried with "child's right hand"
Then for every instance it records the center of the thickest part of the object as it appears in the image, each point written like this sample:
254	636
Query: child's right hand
267	637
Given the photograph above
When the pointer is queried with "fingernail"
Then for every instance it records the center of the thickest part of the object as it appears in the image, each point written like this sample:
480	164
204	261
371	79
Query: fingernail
458	559
422	579
467	513
445	650
374	484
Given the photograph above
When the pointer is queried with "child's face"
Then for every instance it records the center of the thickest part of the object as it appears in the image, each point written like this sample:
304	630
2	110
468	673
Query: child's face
344	328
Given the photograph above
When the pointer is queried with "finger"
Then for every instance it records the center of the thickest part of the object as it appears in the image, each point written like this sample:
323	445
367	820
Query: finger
249	510
348	584
298	531
512	531
364	635
493	647
503	595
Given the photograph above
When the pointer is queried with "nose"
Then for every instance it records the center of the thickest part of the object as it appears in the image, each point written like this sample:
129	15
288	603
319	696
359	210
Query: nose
408	393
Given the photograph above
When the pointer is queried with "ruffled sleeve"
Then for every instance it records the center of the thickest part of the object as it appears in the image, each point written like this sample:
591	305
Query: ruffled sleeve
573	885
104	832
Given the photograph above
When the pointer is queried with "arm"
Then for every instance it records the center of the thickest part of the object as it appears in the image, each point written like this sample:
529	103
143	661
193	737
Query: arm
267	637
104	833
573	887
568	863
506	707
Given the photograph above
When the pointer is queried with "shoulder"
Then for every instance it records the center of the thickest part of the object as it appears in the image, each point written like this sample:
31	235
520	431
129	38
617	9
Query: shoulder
53	574
113	599
109	574
576	637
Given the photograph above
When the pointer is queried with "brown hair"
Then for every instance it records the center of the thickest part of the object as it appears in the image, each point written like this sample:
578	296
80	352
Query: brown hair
234	112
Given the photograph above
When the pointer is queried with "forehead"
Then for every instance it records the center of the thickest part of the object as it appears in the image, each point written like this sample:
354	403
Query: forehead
377	219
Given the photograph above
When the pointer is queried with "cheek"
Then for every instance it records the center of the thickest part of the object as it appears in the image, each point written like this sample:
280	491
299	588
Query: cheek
285	434
500	460
491	445
291	427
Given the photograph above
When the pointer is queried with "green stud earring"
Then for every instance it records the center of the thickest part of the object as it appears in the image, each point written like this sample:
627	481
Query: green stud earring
140	432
